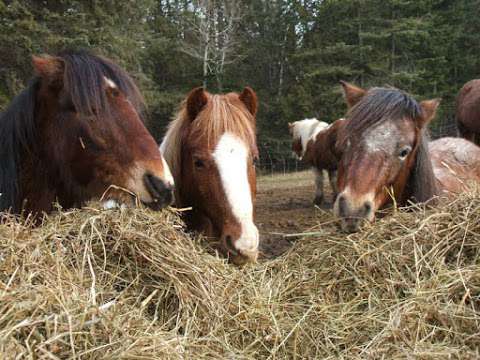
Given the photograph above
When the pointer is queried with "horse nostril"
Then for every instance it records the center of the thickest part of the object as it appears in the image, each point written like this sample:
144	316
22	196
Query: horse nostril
342	205
229	244
158	189
367	207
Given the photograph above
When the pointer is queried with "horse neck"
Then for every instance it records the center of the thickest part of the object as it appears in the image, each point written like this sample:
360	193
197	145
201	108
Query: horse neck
422	184
17	134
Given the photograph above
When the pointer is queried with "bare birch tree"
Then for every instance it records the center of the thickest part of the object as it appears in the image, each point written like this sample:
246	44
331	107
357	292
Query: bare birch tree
213	37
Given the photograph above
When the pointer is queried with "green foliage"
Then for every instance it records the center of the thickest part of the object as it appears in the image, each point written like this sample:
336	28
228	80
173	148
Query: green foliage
293	53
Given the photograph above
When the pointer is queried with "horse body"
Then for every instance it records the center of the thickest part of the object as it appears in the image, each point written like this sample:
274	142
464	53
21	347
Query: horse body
211	147
68	138
314	142
468	111
456	164
387	155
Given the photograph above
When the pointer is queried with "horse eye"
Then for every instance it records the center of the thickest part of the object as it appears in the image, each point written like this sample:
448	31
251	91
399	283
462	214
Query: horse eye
255	161
198	163
114	92
404	152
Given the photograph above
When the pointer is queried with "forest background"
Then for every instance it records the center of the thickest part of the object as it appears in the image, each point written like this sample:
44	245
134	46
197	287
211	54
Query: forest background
292	53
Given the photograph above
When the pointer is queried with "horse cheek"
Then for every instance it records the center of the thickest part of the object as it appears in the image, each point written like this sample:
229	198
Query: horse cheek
82	168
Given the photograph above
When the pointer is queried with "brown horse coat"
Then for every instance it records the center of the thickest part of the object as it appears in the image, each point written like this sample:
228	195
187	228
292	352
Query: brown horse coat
211	147
456	164
387	156
76	133
468	111
321	151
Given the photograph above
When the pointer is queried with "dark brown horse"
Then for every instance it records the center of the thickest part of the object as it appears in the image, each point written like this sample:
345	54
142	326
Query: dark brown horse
468	111
386	155
211	148
76	133
314	142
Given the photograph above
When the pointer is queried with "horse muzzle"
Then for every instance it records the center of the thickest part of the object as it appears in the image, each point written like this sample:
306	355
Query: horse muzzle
160	192
353	213
244	249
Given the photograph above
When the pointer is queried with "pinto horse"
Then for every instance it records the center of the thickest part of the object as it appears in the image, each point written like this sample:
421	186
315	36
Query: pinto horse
313	142
387	156
76	133
211	147
468	111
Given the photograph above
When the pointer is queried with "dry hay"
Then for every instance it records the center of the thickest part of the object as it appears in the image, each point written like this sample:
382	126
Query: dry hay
130	284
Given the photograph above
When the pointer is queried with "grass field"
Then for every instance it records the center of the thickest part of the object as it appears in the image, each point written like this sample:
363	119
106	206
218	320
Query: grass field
130	284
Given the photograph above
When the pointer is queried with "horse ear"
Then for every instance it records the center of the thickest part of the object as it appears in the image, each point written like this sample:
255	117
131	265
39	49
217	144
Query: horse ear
48	67
196	101
249	98
429	110
353	94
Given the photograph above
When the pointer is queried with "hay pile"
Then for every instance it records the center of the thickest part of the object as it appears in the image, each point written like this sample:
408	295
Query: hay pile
130	284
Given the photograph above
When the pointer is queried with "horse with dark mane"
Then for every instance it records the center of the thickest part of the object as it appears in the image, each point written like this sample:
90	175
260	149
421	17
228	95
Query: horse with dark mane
468	111
76	133
211	148
387	155
314	142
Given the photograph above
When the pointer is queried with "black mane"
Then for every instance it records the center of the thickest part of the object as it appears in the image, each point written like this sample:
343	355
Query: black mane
83	80
17	132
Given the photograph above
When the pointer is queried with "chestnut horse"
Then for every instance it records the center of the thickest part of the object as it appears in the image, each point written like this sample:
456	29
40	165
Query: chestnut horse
76	133
387	156
468	111
211	147
314	142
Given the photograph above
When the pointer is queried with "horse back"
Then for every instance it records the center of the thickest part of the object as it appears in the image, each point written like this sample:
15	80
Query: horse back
322	151
456	164
468	107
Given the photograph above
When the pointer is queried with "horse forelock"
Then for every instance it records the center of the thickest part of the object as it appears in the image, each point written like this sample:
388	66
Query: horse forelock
222	114
376	107
85	77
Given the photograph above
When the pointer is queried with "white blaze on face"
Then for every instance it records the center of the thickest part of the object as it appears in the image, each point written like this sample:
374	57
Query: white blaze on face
167	174
231	157
110	83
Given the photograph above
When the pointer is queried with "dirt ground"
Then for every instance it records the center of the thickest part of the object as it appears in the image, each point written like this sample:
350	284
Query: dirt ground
285	209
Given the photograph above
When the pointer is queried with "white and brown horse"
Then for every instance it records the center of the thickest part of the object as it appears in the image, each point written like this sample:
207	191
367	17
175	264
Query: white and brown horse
386	155
211	148
313	142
